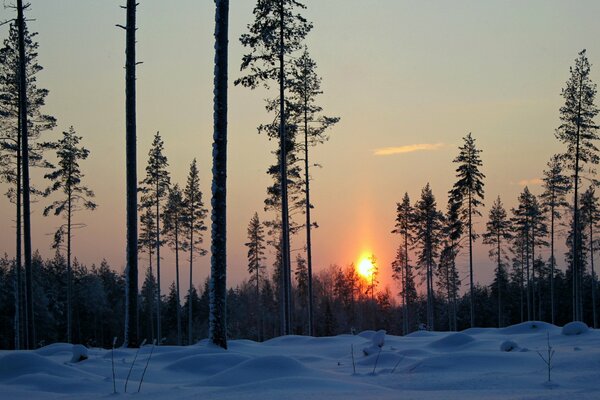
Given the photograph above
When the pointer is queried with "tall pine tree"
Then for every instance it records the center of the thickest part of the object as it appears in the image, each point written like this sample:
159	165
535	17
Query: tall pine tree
172	230
74	196
578	132
556	186
497	232
468	193
155	189
194	227
428	228
277	32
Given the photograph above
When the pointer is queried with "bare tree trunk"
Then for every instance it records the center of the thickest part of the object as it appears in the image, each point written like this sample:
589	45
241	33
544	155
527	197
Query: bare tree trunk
23	118
177	279
552	311
131	323
471	261
18	260
286	266
69	272
190	323
591	223
218	273
308	220
158	316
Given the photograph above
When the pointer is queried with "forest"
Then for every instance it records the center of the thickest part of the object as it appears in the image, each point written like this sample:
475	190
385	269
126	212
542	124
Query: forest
59	299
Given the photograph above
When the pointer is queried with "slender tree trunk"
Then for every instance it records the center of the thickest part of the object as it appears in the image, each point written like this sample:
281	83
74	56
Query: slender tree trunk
158	316
218	275
69	271
190	323
527	244
286	267
552	311
576	273
308	220
591	223
521	285
471	261
499	288
532	291
177	279
406	313
23	118
131	323
18	260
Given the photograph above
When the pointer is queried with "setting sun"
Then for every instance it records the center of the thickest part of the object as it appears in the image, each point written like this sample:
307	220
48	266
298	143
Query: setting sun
365	267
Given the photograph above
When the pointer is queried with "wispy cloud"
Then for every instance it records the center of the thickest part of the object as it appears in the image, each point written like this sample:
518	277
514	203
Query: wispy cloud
411	148
530	182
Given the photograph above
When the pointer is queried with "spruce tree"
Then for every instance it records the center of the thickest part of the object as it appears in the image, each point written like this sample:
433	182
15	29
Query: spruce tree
498	231
256	257
305	86
10	139
468	194
578	132
67	178
277	31
172	230
428	227
449	279
556	186
154	189
194	227
404	227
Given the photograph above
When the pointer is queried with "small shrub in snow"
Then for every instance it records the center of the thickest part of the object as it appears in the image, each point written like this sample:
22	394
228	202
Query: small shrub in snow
508	346
548	357
80	353
574	328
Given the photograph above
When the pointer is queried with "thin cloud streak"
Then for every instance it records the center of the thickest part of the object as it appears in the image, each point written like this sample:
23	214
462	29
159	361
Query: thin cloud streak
533	182
411	148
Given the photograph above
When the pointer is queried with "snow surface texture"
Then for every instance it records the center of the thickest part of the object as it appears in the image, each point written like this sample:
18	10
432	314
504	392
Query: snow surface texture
473	364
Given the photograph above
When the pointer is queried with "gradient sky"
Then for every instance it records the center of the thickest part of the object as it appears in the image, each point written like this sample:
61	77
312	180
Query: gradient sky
408	78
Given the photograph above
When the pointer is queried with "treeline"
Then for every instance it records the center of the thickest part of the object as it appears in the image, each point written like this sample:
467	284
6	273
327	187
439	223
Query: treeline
517	239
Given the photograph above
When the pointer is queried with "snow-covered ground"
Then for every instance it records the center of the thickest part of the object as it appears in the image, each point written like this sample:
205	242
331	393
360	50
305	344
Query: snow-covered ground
472	364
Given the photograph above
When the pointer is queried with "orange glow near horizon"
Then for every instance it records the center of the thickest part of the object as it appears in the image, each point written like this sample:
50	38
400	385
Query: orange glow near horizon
365	267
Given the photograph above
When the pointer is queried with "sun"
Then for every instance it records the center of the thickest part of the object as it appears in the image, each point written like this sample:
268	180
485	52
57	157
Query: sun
365	267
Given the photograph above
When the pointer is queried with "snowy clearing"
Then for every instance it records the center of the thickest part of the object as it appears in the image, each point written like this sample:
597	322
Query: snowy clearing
473	364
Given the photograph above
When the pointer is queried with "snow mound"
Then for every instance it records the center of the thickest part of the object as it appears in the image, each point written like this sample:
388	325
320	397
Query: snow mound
574	328
206	364
421	334
80	353
508	346
54	348
452	341
259	369
368	334
528	327
18	364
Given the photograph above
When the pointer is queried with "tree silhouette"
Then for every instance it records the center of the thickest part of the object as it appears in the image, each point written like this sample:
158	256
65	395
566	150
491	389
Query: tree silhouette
578	132
278	31
154	189
66	179
498	230
173	220
194	227
556	186
468	194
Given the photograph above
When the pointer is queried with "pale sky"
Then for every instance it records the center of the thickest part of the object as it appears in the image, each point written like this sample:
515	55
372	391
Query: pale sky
408	78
